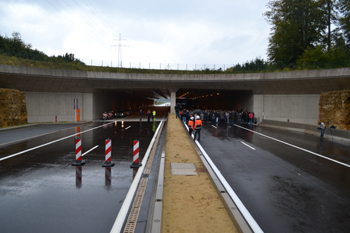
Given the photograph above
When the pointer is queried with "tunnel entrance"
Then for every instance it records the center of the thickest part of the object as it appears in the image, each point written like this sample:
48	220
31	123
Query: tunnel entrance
214	99
134	99
105	100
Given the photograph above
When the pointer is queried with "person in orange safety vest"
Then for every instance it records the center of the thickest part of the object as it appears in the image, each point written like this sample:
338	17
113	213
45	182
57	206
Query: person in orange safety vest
191	125
197	127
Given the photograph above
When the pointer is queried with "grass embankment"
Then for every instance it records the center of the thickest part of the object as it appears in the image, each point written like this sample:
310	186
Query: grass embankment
14	61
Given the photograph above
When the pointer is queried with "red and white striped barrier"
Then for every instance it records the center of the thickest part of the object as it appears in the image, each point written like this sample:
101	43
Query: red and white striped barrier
78	161
136	161
108	154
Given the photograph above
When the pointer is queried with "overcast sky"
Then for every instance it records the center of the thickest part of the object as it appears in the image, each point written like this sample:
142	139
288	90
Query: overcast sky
153	31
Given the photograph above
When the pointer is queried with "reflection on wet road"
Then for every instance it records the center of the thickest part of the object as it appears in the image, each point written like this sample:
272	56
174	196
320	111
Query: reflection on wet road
285	189
41	191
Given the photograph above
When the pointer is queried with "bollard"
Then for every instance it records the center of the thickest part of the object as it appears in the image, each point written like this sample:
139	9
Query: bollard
78	161
136	159
108	153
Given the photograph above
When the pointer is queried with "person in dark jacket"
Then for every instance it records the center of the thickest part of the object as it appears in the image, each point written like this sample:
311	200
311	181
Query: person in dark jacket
148	115
177	110
243	117
183	116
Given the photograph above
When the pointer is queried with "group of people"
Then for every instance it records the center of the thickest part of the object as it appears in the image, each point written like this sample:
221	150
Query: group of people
195	124
231	117
195	118
148	115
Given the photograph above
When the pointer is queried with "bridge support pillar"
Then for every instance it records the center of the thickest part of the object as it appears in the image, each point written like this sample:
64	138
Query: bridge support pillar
172	101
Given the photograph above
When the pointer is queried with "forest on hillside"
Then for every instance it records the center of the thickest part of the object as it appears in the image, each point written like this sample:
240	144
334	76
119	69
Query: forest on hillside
16	47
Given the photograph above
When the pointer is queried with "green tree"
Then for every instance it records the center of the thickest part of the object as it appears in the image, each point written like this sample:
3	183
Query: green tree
344	21
296	25
329	17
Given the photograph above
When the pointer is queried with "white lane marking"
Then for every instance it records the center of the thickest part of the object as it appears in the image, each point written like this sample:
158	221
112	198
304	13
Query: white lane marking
247	216
89	150
248	145
22	152
214	126
23	139
127	127
288	144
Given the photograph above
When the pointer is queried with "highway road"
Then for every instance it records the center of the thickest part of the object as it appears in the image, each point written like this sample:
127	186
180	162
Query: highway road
40	191
288	181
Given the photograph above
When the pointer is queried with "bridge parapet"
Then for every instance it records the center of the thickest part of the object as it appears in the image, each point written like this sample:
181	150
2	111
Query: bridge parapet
292	82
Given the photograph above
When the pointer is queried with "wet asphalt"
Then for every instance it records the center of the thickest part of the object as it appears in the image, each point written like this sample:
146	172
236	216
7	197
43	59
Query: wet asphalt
40	191
285	189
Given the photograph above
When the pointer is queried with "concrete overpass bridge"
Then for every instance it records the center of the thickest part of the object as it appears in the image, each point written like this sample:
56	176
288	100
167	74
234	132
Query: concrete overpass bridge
281	95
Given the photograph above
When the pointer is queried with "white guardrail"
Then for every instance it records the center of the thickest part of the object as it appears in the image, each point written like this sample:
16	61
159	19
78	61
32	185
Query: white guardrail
119	222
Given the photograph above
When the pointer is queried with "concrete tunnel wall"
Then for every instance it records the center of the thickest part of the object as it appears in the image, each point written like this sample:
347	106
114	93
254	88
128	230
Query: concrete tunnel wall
44	106
297	108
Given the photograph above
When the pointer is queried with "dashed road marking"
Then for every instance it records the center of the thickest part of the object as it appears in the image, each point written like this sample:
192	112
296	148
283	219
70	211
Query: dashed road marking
248	145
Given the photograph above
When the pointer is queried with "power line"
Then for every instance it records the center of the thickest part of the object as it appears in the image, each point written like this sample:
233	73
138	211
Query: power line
74	20
101	17
92	20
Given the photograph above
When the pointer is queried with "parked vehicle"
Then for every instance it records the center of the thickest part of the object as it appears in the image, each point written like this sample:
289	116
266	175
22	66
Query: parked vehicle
120	113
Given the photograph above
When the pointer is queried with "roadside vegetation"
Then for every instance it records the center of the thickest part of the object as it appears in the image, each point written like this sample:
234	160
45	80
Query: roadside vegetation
305	35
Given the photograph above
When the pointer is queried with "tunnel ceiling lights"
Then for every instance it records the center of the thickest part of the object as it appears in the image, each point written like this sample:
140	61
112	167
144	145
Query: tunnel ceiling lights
198	95
186	93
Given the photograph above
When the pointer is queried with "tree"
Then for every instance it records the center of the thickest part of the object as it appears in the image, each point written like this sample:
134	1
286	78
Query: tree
344	21
296	25
329	17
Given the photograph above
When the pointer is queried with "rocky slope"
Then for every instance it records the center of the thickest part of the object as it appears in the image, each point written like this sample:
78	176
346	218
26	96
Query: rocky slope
13	109
335	107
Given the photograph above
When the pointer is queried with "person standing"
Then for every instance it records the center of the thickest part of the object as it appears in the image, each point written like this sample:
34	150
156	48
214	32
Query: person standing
154	115
177	110
251	116
323	127
141	113
183	116
187	116
191	125
217	116
243	116
197	127
148	115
